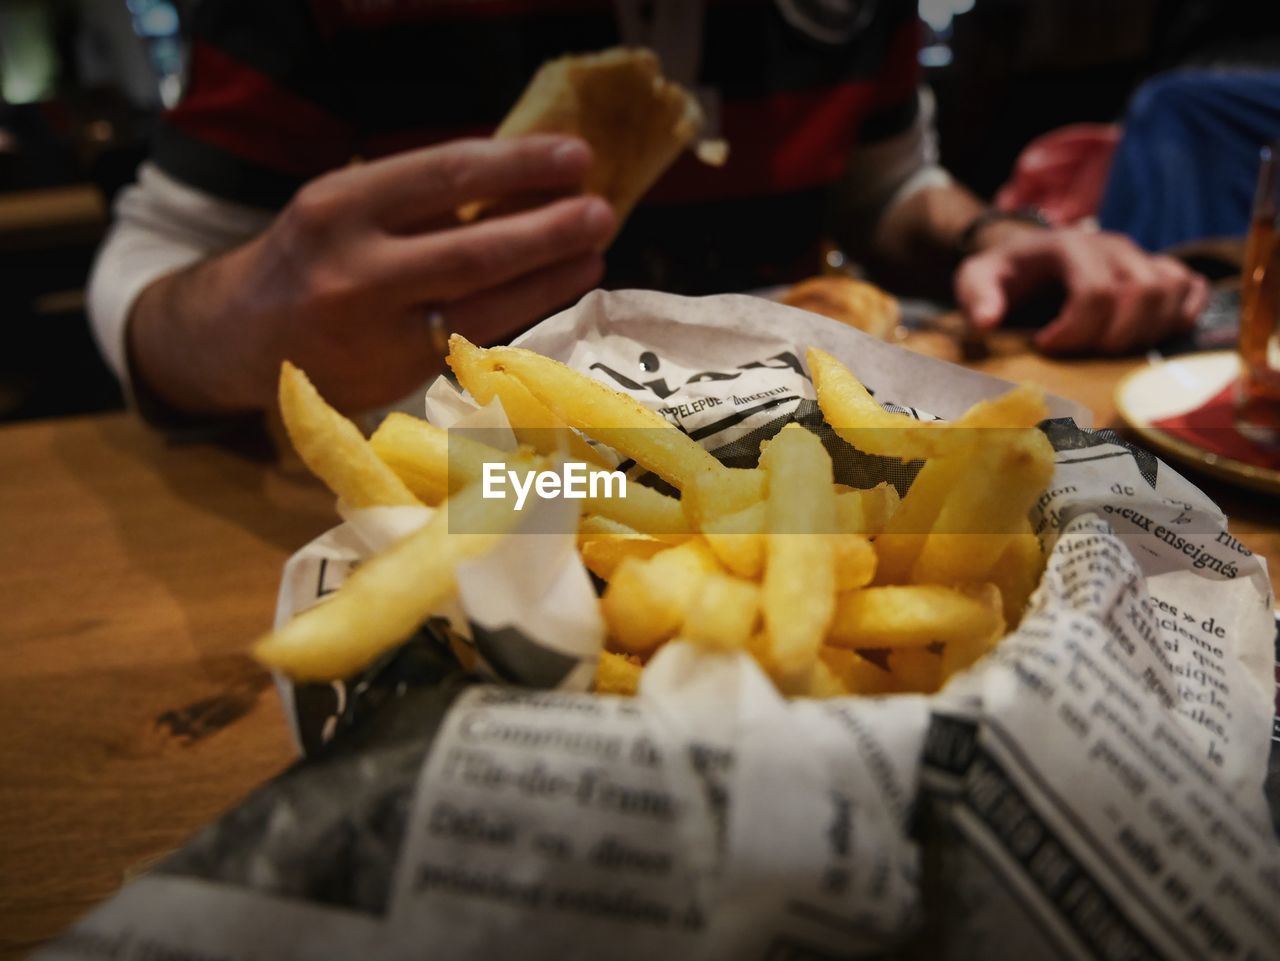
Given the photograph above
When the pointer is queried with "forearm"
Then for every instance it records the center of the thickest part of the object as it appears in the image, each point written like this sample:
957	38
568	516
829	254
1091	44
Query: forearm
922	229
158	283
193	347
917	241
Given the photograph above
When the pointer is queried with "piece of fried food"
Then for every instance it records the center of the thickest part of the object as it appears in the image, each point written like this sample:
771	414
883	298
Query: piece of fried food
618	674
853	302
333	447
798	593
635	120
608	415
390	595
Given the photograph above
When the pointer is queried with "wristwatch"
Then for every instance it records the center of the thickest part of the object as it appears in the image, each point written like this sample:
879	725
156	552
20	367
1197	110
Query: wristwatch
964	245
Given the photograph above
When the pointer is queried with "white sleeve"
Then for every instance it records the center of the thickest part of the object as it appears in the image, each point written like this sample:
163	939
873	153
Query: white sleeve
161	225
884	174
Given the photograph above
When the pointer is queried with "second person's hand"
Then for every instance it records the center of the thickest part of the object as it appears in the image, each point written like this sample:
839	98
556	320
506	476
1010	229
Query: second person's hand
1119	297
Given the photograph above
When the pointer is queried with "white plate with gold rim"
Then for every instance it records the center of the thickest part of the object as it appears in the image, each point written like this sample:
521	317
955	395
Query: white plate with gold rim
1177	386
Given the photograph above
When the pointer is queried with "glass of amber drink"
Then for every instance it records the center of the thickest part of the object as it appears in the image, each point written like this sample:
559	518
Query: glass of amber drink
1258	391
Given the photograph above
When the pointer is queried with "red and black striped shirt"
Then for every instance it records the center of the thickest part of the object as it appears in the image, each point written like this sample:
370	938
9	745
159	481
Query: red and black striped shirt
280	91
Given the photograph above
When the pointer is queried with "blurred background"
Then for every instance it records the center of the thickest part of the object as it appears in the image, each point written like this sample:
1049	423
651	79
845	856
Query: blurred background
81	82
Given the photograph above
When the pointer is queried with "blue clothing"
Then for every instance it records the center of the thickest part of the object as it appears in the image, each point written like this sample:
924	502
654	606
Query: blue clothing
1187	164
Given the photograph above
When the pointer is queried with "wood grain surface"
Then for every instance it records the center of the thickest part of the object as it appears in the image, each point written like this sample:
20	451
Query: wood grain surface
133	576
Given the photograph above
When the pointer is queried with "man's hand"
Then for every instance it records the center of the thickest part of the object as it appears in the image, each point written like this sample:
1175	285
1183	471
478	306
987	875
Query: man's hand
343	281
1119	297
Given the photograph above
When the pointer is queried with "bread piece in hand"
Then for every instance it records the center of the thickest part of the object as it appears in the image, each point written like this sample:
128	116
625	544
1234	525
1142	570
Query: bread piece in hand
635	120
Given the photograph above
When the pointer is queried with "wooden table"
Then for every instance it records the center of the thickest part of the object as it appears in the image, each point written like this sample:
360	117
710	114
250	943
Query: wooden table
134	575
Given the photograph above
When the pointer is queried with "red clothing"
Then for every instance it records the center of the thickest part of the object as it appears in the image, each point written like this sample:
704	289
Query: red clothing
280	92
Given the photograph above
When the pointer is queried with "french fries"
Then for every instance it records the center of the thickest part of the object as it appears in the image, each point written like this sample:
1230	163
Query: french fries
609	416
963	651
855	560
333	447
389	596
532	421
914	615
646	602
1016	573
737	539
432	461
798	595
853	414
904	533
715	493
618	673
835	591
865	512
723	614
604	544
985	508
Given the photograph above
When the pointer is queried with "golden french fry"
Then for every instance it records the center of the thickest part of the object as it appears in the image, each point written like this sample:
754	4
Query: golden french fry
389	595
844	401
434	462
826	682
431	460
912	670
1017	573
604	544
1021	406
601	556
903	537
856	674
738	540
715	494
915	669
333	448
609	416
417	452
986	506
912	616
798	596
596	525
865	511
855	561
960	652
646	601
634	624
531	421
723	613
645	509
854	414
618	674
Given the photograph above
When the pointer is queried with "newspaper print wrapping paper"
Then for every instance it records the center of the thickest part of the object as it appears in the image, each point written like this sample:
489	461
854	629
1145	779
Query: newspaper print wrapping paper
1093	789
